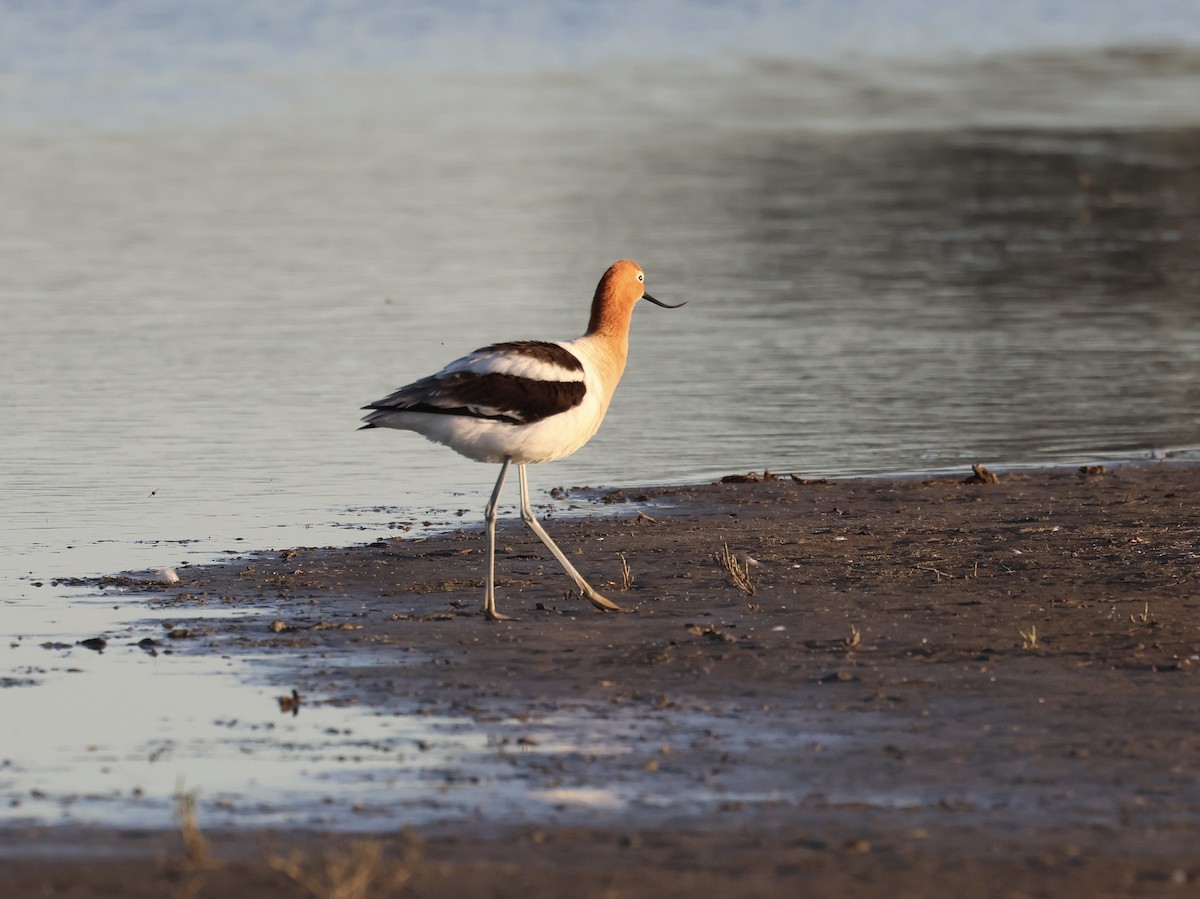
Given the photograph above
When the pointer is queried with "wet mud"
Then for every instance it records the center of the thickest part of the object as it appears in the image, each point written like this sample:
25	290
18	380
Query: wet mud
944	686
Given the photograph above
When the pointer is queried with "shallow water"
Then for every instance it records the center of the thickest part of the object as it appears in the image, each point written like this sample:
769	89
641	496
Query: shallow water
917	257
176	723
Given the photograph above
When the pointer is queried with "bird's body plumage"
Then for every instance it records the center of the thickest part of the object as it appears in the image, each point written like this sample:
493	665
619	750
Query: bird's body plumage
525	401
529	401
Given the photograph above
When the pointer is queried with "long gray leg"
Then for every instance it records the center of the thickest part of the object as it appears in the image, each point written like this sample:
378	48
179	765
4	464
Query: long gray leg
489	516
584	588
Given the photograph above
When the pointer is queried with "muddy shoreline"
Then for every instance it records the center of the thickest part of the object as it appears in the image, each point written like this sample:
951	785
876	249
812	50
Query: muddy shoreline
936	687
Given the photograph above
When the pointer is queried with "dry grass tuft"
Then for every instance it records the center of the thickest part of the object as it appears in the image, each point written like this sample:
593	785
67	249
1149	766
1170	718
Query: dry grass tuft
738	571
359	870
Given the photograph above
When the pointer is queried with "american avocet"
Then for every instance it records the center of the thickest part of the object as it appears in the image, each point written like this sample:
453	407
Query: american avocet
526	401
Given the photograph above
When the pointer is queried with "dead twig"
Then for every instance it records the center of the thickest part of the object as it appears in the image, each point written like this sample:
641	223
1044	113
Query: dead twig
750	477
981	476
806	481
941	574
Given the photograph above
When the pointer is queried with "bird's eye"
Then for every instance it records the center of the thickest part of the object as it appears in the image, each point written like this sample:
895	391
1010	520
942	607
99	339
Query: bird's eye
641	277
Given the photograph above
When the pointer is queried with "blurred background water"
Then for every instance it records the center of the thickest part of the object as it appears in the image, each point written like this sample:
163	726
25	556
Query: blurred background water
913	235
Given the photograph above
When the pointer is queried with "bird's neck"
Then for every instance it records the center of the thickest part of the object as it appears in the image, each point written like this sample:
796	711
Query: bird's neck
608	331
610	316
611	339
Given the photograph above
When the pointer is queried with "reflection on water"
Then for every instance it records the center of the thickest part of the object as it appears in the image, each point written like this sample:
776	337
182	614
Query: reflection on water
921	301
131	728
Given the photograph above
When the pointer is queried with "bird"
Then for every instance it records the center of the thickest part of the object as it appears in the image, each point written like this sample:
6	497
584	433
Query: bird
524	402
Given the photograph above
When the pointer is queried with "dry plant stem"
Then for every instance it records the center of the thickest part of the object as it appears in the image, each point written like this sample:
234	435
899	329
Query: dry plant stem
196	850
738	572
1029	638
